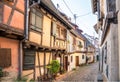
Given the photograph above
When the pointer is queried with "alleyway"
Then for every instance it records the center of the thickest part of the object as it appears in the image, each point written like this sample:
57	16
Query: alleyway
85	73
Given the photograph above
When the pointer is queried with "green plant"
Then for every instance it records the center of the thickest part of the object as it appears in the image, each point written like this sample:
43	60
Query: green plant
22	79
32	80
1	72
68	41
74	69
80	46
54	67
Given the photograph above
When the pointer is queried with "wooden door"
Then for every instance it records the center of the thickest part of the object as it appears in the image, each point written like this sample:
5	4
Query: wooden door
77	60
66	63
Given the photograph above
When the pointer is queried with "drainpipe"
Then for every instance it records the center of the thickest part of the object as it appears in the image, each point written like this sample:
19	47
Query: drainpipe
26	22
26	18
20	57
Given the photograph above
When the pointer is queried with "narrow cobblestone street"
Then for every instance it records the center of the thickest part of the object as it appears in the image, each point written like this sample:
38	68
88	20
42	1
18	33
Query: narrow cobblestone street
84	73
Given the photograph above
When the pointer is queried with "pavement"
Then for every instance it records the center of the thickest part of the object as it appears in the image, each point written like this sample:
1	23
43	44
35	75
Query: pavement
87	73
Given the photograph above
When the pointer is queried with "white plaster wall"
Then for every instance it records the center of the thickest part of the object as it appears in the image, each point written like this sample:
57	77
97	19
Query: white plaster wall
73	63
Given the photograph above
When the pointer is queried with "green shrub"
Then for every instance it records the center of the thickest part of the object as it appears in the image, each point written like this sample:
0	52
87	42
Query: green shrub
23	79
74	69
54	67
1	72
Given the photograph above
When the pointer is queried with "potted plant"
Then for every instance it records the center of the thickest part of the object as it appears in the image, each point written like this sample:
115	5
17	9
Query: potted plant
53	68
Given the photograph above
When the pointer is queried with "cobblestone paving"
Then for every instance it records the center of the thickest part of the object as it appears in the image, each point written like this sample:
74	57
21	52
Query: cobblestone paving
86	73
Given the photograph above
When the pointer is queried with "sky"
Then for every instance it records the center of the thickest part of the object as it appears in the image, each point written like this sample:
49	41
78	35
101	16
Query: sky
82	8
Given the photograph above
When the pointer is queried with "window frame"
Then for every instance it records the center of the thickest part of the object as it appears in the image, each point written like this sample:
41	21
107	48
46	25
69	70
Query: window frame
7	55
26	65
39	14
71	58
83	56
1	13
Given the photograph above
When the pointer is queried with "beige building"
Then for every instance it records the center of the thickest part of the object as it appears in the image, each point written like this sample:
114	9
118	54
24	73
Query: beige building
108	30
47	40
76	49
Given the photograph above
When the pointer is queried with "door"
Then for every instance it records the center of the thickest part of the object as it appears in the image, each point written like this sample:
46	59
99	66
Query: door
66	63
77	60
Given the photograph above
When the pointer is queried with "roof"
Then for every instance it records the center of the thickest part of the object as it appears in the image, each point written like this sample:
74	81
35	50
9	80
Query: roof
49	6
88	43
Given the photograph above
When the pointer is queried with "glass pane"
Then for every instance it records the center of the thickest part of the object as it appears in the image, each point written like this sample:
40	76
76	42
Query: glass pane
32	18
38	22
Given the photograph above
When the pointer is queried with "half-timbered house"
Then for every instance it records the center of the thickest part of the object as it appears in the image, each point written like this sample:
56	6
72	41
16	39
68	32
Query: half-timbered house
11	35
46	40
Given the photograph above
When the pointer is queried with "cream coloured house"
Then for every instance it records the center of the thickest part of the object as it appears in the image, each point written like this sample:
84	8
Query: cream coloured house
109	34
76	49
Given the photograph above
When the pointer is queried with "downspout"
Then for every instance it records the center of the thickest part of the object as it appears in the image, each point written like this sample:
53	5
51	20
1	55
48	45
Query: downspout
26	22
26	18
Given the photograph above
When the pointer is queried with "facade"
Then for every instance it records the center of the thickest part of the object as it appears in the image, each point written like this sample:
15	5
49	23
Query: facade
76	49
108	30
47	40
11	34
32	34
92	40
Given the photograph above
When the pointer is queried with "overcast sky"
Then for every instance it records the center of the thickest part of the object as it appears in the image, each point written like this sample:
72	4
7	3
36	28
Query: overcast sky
81	8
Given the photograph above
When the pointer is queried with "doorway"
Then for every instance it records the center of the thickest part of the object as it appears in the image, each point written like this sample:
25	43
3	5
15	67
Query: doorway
66	63
77	60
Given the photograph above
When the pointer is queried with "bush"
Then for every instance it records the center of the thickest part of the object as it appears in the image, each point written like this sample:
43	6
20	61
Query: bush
23	79
54	67
74	69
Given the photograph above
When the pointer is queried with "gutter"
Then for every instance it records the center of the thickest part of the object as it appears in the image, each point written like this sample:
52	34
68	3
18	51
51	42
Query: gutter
26	19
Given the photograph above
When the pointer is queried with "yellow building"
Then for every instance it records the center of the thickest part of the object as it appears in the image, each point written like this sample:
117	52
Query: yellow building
46	40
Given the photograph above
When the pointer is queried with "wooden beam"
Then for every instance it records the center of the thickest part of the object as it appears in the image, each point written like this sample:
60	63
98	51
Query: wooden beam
39	63
44	63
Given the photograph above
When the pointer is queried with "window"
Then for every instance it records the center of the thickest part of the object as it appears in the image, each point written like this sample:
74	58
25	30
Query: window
5	57
71	58
36	20
53	28
82	56
29	60
74	41
1	12
63	35
111	5
58	31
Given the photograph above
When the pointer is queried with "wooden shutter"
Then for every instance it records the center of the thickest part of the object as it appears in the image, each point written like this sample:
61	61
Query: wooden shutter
11	0
1	12
5	57
29	59
54	28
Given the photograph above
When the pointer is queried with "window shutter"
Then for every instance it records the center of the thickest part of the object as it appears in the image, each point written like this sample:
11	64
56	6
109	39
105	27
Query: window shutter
54	28
11	0
5	57
29	59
